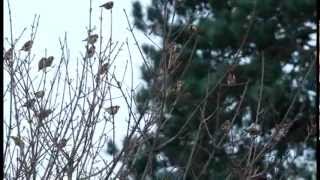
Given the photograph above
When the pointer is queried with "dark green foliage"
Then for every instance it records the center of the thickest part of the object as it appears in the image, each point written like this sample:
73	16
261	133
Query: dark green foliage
138	15
270	31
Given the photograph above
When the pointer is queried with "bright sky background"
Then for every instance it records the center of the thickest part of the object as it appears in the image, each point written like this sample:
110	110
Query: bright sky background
58	17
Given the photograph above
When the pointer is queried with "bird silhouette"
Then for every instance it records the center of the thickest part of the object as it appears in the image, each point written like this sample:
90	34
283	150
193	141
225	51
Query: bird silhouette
45	62
27	46
107	5
92	38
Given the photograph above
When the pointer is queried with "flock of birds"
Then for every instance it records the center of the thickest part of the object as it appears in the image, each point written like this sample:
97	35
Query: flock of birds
47	62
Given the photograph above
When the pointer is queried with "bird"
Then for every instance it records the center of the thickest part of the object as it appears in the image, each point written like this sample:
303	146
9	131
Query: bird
27	46
107	5
179	85
41	63
17	141
281	130
44	113
29	103
194	28
225	127
50	59
90	51
62	143
103	69
8	57
92	38
253	129
8	54
113	109
39	94
45	62
231	79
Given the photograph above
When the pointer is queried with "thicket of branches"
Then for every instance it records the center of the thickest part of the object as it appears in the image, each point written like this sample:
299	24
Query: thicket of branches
189	122
61	111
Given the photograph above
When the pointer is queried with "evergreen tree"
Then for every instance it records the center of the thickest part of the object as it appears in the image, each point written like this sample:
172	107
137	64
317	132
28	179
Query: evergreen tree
232	89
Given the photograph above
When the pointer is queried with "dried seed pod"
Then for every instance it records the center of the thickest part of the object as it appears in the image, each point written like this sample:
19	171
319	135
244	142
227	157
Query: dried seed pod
27	46
108	5
39	94
113	109
92	38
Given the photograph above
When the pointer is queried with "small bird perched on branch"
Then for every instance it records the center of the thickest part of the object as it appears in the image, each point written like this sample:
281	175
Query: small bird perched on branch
90	51
254	129
8	57
225	127
194	28
39	94
43	113
92	38
27	46
231	79
29	103
113	109
62	143
107	5
8	54
18	141
103	69
45	62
